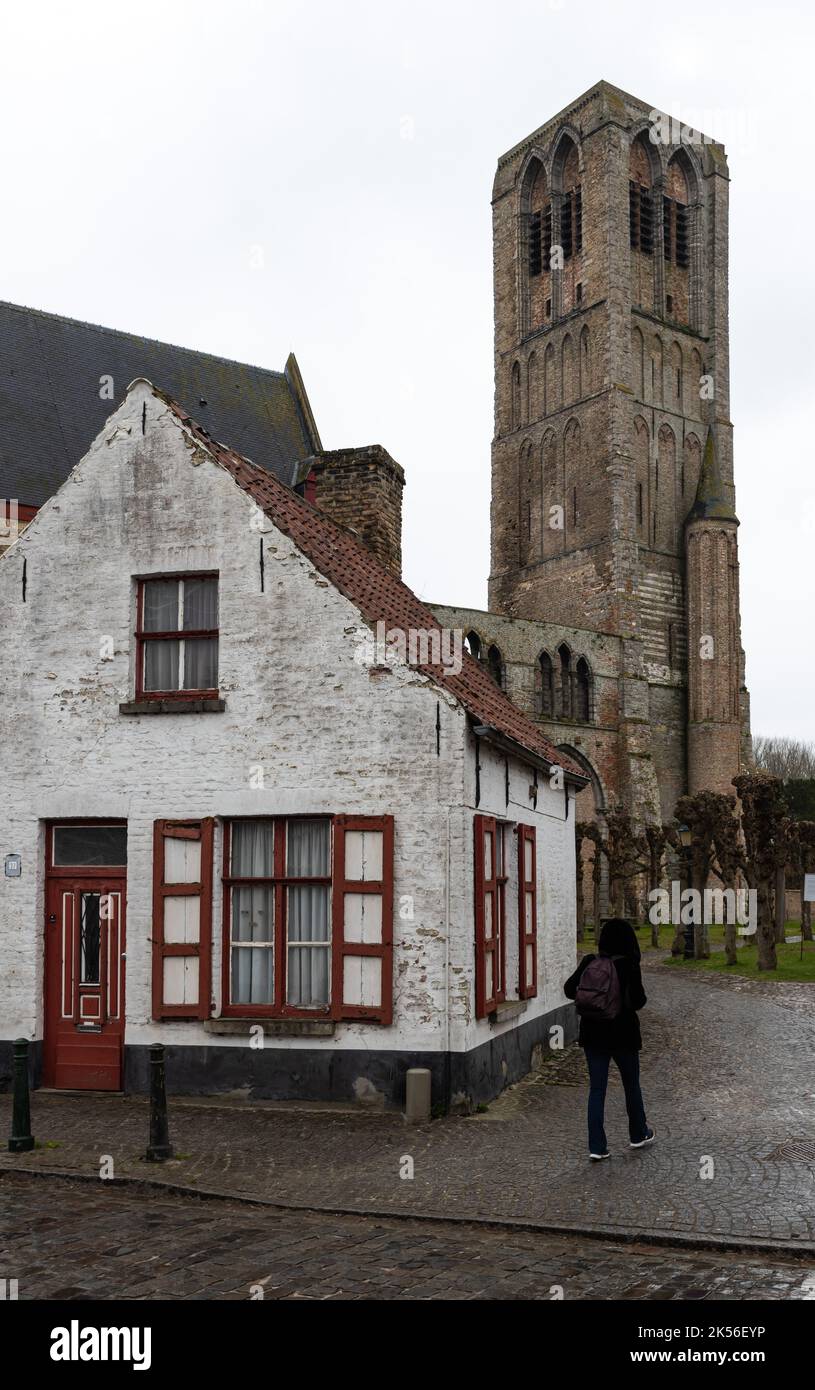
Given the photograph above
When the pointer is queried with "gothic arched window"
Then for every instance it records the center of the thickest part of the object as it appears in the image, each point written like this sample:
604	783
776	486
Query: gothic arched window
495	664
516	395
565	681
472	642
545	680
582	690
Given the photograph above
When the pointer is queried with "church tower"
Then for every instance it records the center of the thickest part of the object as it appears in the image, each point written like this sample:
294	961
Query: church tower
611	378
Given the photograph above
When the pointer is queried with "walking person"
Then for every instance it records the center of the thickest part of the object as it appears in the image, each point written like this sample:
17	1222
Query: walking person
607	988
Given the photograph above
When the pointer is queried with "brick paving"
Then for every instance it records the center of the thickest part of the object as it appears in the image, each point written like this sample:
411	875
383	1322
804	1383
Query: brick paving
63	1239
728	1082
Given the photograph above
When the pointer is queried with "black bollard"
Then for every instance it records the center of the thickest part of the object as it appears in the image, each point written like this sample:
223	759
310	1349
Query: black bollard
21	1137
159	1147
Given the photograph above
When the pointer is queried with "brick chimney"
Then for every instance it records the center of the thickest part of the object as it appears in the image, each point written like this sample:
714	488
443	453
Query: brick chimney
361	489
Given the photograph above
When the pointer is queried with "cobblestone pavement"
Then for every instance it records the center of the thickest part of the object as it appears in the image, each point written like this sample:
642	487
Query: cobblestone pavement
729	1084
69	1240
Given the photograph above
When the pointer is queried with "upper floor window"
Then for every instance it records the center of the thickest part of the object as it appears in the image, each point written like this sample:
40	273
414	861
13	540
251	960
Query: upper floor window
177	636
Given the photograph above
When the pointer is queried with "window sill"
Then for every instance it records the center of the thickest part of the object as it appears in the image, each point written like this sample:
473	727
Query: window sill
272	1027
513	1008
173	707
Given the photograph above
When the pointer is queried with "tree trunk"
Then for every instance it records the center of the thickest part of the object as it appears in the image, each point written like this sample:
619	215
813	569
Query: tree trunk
767	959
780	904
730	943
701	945
596	903
806	917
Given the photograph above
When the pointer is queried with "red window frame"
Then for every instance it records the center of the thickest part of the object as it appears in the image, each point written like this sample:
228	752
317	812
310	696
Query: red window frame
527	889
278	882
339	948
177	635
490	888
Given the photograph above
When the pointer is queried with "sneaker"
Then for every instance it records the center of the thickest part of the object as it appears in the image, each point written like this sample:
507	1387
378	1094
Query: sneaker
642	1143
597	1158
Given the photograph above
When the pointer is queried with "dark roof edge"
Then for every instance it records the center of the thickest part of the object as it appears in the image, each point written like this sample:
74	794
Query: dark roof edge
298	390
524	754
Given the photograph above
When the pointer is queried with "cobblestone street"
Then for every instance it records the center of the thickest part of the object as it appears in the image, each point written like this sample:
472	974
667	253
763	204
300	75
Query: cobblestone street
728	1082
69	1240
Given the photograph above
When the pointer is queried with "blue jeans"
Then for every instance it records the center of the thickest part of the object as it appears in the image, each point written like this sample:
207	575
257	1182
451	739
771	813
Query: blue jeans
628	1065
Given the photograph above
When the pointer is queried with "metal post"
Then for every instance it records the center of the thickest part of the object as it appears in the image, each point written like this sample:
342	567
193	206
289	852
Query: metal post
159	1147
21	1137
690	944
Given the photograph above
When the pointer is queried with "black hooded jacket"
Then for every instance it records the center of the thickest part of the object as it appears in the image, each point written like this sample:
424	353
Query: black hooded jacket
620	1034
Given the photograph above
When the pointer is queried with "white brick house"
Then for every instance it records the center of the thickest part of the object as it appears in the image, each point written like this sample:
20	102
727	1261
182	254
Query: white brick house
260	826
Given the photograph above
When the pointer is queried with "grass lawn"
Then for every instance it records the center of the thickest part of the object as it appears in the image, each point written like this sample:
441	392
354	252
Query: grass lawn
790	964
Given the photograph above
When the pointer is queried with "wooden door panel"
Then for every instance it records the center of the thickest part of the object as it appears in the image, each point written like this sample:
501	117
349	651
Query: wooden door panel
84	982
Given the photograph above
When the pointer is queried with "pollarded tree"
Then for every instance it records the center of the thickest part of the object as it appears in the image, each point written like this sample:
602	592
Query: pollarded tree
627	854
802	861
657	838
766	832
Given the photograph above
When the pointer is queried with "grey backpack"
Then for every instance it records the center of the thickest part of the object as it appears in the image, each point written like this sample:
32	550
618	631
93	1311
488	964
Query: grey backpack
598	993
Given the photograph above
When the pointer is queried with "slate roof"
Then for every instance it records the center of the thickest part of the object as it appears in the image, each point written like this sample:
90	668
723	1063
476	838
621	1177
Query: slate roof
51	410
378	594
710	503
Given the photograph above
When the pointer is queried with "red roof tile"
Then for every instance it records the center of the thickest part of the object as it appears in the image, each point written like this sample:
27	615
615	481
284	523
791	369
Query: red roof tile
378	594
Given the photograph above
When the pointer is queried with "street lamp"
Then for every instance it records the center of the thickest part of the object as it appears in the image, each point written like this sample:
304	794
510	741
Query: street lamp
686	841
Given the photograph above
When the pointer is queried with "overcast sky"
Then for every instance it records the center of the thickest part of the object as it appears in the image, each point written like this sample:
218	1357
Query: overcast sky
257	176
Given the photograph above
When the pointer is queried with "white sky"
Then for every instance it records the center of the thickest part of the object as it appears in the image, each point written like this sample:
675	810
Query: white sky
149	150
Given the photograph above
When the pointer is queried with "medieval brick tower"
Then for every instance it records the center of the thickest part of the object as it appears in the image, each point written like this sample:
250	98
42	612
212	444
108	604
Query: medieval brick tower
614	596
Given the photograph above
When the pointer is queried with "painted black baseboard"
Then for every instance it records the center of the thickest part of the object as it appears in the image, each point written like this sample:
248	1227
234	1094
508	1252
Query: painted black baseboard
460	1080
7	1063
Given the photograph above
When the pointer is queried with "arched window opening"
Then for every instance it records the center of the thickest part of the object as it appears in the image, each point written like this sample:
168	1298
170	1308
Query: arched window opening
568	203
582	690
676	237
567	370
566	702
534	387
642	459
516	395
495	664
536	230
586	383
545	677
472	642
640	199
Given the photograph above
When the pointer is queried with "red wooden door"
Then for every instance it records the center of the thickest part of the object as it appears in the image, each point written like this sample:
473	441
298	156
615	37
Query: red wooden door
84	981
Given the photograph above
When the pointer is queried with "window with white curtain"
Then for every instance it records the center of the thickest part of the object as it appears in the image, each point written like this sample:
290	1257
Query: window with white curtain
177	635
279	901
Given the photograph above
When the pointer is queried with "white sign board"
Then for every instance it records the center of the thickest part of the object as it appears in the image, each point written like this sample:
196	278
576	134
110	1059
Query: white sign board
809	888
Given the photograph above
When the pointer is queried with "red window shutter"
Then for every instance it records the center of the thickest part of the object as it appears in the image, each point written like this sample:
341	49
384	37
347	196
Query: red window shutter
362	918
527	913
182	918
487	938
